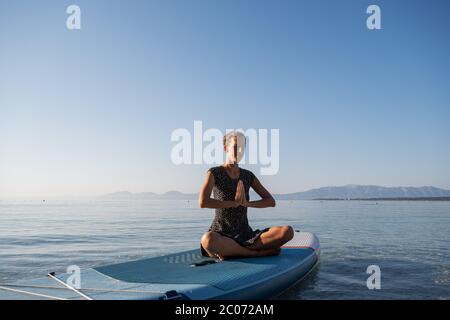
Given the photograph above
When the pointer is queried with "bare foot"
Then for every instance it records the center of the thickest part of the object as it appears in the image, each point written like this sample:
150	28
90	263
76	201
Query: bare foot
221	258
217	256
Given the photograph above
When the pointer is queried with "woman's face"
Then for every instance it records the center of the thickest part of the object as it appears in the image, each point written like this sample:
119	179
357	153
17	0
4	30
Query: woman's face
234	148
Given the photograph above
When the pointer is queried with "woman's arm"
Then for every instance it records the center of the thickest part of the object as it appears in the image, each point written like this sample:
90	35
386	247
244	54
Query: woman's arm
204	196
266	198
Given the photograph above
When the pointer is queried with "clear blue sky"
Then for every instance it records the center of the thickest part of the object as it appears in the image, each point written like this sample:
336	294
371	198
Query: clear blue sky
91	111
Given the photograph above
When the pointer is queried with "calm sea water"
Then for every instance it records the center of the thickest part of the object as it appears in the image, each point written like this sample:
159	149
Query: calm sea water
409	241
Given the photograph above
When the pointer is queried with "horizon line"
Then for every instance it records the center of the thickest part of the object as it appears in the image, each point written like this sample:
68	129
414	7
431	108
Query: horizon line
193	193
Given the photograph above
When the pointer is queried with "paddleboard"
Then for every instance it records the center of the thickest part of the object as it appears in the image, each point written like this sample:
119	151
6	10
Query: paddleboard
185	275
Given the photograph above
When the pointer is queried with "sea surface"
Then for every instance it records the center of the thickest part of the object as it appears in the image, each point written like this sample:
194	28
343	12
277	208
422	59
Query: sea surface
408	240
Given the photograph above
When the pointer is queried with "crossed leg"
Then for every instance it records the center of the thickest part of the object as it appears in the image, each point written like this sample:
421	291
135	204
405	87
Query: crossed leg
275	237
267	244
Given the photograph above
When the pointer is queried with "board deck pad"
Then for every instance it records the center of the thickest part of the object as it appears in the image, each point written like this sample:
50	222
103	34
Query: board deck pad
225	275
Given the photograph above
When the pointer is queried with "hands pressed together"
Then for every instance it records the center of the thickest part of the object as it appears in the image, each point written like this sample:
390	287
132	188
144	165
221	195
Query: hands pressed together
239	198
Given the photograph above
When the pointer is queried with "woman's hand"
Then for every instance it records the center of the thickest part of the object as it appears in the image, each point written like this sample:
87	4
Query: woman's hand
240	194
233	204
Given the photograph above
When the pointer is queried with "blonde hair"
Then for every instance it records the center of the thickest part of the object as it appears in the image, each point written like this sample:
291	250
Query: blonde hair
231	134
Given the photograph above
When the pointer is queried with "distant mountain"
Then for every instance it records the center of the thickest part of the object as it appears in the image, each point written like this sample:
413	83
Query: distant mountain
350	191
119	195
144	195
178	195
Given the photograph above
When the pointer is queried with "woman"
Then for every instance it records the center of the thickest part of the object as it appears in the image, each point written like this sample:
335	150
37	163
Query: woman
230	234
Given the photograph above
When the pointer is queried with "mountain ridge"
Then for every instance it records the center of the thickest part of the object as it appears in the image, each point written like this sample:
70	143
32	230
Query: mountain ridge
349	191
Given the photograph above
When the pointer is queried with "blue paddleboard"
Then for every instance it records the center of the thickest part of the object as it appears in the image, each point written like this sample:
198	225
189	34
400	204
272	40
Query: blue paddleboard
183	275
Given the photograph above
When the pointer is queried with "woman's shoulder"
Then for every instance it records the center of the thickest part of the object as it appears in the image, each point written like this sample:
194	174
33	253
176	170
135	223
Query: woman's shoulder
214	170
247	173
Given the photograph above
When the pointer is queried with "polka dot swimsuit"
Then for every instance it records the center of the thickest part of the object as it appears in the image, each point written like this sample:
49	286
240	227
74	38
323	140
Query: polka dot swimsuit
232	222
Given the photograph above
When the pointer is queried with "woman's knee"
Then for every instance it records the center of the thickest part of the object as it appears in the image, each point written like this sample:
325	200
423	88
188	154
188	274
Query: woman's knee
209	238
286	233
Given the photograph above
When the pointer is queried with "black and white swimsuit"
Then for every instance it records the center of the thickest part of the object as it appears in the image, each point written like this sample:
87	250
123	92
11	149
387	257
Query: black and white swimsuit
232	222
